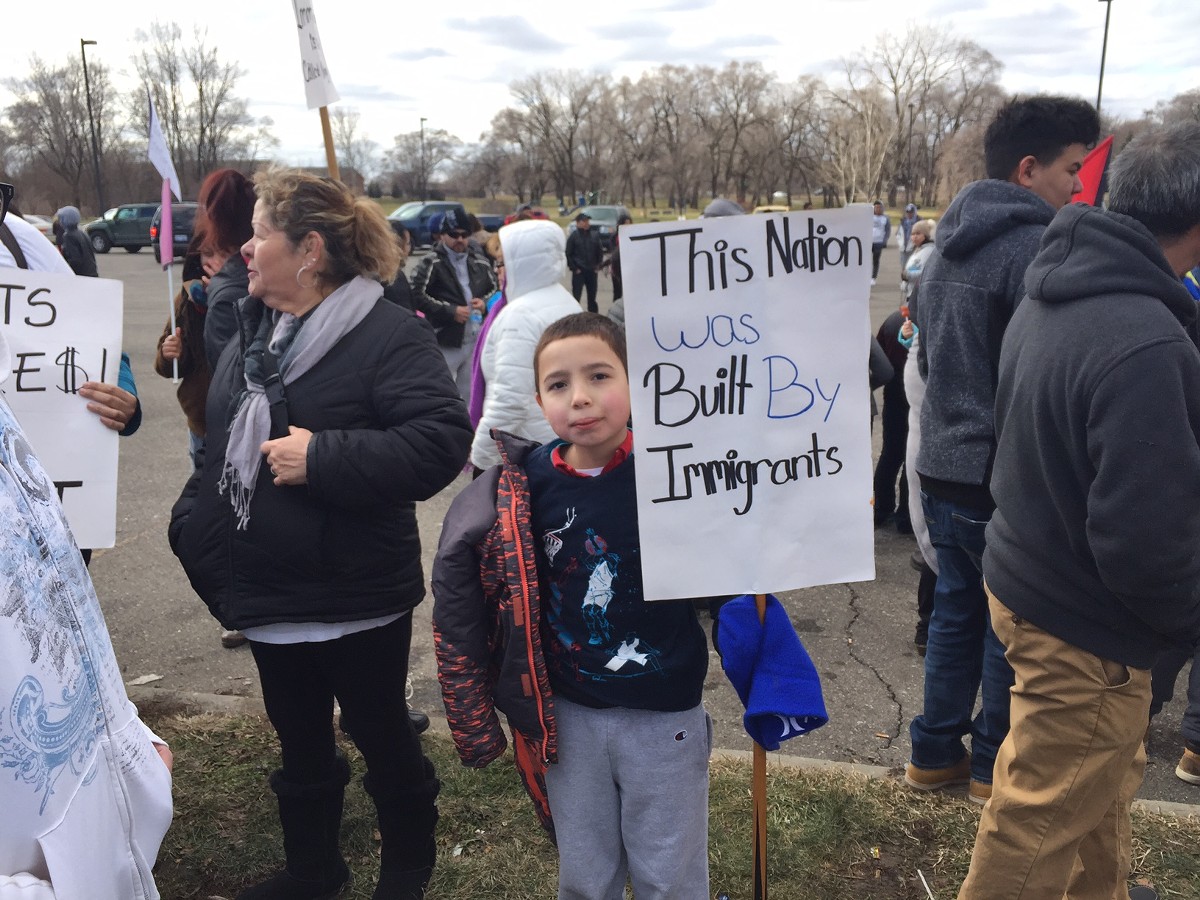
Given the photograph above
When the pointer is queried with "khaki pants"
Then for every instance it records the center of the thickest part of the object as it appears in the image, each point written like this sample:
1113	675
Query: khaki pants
1058	822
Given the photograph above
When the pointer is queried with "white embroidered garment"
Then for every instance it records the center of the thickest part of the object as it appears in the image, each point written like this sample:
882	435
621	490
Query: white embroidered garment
86	800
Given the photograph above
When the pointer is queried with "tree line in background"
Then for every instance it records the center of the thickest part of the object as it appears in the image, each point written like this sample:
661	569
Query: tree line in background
903	120
45	134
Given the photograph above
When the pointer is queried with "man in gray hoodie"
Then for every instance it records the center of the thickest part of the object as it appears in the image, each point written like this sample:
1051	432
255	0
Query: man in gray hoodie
1091	560
972	284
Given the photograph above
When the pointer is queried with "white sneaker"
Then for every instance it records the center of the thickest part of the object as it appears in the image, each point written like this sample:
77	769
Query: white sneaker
872	282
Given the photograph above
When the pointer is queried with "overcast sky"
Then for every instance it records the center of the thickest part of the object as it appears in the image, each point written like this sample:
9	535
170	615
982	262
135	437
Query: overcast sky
452	62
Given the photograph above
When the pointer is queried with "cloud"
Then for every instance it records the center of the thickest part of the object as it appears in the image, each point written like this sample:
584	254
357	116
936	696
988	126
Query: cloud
641	30
941	8
653	52
509	31
681	6
418	55
370	93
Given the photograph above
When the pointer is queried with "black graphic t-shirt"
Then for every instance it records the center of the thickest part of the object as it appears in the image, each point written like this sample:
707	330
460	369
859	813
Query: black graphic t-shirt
605	645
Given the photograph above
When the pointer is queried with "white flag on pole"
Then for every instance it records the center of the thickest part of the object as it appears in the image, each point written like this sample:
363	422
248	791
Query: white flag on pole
160	153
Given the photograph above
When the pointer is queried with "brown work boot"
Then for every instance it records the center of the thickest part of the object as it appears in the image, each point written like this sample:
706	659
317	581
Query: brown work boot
936	779
979	792
1189	767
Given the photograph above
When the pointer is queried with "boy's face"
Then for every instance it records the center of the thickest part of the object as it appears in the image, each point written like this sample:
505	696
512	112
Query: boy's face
584	394
1057	181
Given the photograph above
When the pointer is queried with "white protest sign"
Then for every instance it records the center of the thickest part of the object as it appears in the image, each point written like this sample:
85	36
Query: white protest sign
748	346
62	331
318	84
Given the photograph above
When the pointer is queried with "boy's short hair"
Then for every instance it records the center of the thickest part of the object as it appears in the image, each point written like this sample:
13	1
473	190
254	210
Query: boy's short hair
583	324
1042	127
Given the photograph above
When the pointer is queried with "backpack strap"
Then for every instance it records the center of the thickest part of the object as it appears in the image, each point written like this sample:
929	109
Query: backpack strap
10	241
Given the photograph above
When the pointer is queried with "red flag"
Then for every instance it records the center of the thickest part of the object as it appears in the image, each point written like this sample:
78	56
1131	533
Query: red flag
1091	174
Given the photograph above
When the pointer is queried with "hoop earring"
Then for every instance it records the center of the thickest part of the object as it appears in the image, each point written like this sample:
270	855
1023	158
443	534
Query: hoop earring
301	270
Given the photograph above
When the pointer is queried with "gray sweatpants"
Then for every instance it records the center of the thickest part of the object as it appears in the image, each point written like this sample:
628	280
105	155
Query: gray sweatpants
629	796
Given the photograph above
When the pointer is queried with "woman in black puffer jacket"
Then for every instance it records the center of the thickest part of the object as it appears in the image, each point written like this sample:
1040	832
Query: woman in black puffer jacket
300	530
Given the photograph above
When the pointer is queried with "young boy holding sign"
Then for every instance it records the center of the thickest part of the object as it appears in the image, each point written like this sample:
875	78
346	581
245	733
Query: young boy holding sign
538	612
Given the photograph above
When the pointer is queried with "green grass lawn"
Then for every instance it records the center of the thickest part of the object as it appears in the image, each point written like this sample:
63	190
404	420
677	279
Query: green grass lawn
830	835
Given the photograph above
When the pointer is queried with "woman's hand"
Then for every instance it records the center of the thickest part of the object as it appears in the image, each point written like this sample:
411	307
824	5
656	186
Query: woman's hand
115	406
288	456
172	346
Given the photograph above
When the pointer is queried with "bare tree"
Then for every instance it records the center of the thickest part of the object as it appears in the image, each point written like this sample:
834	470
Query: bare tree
416	156
738	98
48	122
798	134
205	123
526	167
673	95
217	117
354	149
558	104
858	127
1183	107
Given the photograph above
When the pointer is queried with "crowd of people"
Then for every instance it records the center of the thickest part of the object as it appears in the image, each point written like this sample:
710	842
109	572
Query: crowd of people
1042	400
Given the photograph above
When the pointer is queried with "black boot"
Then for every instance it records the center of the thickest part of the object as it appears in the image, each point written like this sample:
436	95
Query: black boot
407	820
311	815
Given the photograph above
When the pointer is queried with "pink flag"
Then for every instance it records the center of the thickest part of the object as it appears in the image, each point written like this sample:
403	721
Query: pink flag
166	228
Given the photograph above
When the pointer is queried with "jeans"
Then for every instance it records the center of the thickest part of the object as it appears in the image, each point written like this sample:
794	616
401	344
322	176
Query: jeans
963	655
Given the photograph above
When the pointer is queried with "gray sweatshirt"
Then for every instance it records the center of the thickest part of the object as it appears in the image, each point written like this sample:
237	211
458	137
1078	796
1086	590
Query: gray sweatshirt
969	290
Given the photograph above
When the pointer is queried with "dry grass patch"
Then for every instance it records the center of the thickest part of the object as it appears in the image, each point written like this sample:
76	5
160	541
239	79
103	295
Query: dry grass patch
830	835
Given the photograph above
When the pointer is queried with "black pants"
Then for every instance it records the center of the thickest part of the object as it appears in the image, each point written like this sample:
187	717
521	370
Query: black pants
580	280
891	461
876	253
366	673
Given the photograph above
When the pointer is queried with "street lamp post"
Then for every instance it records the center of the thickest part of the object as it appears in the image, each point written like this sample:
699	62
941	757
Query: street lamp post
911	110
1103	53
424	176
87	84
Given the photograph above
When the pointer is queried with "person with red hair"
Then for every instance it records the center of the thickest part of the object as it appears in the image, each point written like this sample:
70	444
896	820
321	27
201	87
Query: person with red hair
215	280
226	206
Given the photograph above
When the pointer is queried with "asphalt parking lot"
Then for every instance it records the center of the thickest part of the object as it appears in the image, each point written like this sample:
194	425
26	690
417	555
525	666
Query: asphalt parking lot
859	635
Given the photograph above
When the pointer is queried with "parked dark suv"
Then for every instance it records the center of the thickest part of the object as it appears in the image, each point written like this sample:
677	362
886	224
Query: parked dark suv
125	226
415	216
183	221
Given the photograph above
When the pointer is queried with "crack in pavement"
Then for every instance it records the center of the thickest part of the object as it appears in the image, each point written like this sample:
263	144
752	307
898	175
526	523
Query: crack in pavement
849	632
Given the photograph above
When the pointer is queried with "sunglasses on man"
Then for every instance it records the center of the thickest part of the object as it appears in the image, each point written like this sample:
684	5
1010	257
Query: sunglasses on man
458	235
7	192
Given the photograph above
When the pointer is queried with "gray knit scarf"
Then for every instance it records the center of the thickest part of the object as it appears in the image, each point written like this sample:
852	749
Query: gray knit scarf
327	324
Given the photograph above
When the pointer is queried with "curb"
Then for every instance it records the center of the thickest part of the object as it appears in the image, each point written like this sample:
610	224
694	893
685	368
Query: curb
233	705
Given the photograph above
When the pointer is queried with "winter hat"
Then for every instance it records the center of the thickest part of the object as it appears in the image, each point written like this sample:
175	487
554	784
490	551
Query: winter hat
68	217
721	207
771	672
912	207
450	220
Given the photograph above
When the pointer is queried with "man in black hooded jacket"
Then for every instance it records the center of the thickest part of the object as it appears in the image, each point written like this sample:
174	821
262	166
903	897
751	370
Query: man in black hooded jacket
1091	565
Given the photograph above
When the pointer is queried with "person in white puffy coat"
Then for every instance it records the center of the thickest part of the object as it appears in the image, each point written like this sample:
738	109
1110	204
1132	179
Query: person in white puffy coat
535	263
